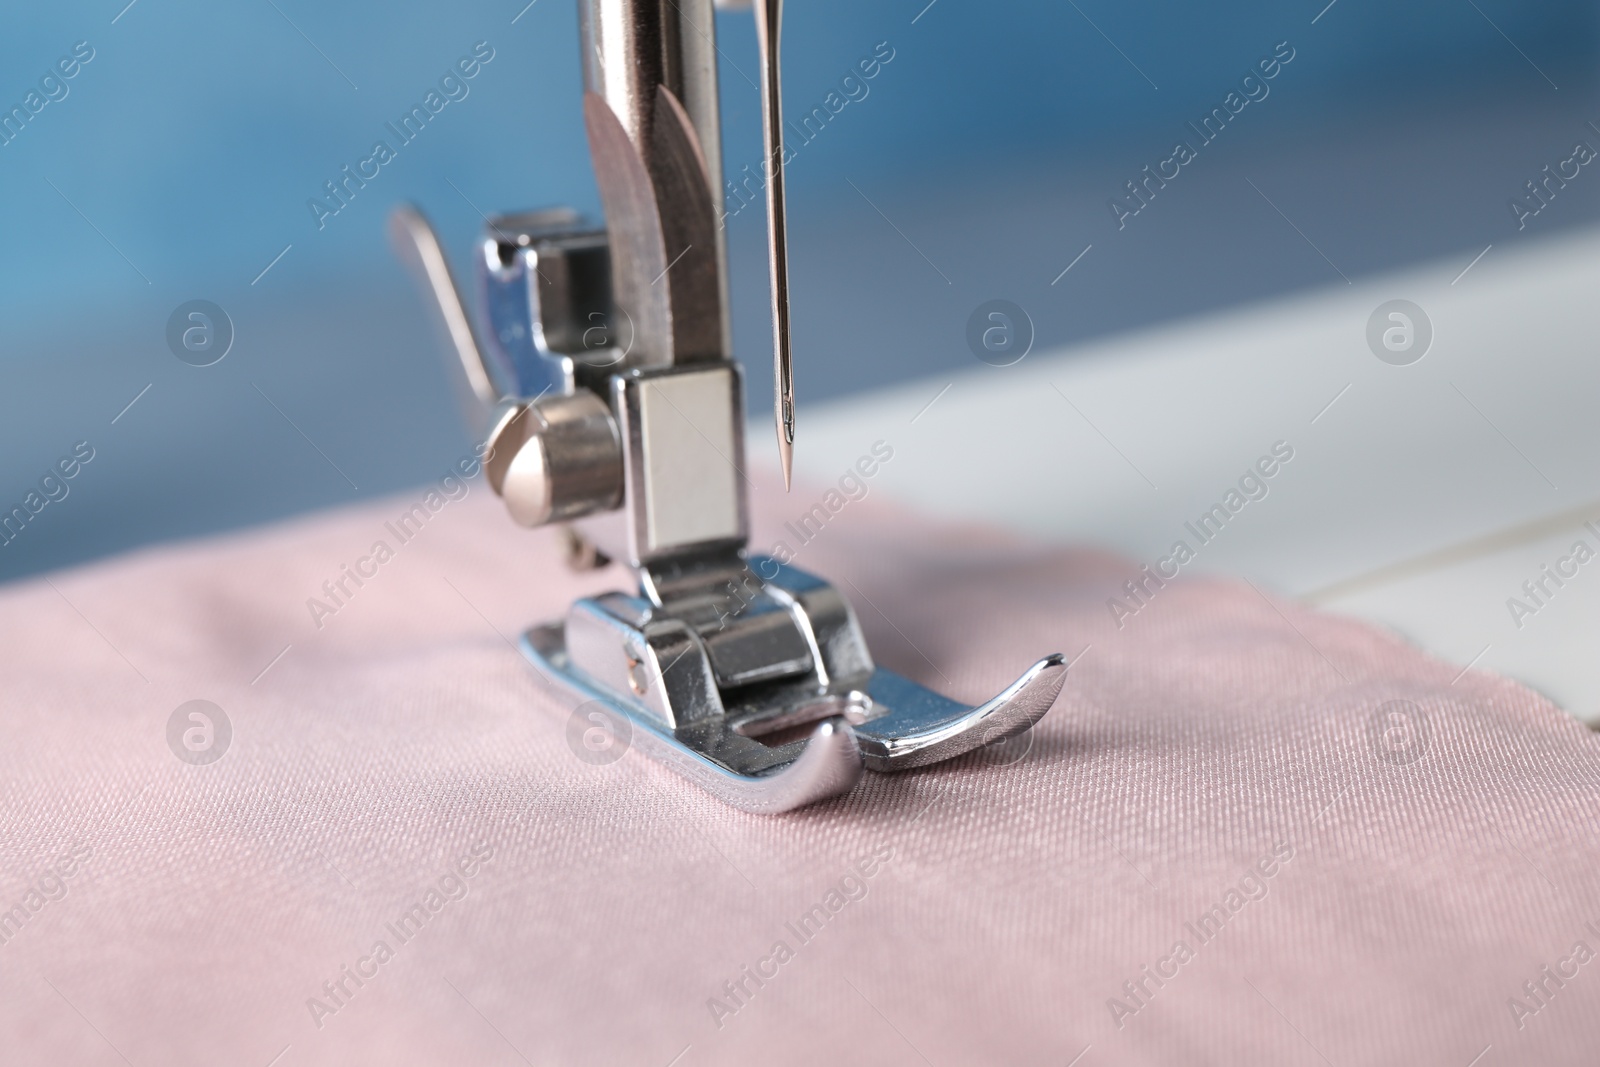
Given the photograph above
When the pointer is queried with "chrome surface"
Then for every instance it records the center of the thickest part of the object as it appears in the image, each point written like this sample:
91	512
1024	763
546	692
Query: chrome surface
556	458
750	635
546	283
631	46
923	727
418	248
838	647
651	115
619	411
755	742
769	32
683	430
740	771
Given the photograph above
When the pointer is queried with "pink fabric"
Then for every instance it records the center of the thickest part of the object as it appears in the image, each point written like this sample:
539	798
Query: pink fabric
998	910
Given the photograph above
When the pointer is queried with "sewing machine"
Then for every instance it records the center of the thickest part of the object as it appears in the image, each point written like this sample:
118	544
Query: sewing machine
616	410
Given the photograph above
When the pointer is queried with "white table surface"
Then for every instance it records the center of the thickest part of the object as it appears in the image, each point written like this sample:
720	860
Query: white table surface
1391	506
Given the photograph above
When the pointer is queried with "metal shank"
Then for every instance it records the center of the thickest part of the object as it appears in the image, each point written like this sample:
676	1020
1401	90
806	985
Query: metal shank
651	110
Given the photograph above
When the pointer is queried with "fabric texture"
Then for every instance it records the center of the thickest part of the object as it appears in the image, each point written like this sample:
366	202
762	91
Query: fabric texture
1248	832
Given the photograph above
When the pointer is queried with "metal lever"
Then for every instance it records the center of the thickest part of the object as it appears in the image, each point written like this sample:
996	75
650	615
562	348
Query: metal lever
418	248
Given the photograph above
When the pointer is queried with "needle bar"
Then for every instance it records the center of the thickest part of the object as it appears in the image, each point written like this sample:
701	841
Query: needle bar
769	24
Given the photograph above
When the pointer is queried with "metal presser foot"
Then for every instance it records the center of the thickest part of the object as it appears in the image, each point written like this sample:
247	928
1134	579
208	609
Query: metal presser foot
773	707
617	411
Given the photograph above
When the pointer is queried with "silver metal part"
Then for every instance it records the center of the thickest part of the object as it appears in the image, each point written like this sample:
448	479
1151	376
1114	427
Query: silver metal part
546	280
651	113
786	741
418	248
631	46
555	459
747	776
923	727
769	34
620	411
685	463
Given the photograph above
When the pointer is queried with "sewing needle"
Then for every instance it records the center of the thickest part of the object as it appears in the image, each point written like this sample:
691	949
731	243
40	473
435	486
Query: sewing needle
769	23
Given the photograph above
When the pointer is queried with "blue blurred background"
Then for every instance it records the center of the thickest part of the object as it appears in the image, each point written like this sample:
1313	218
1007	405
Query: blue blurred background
180	162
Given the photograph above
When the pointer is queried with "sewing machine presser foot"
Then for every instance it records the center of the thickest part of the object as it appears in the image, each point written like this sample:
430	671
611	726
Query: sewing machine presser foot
771	707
